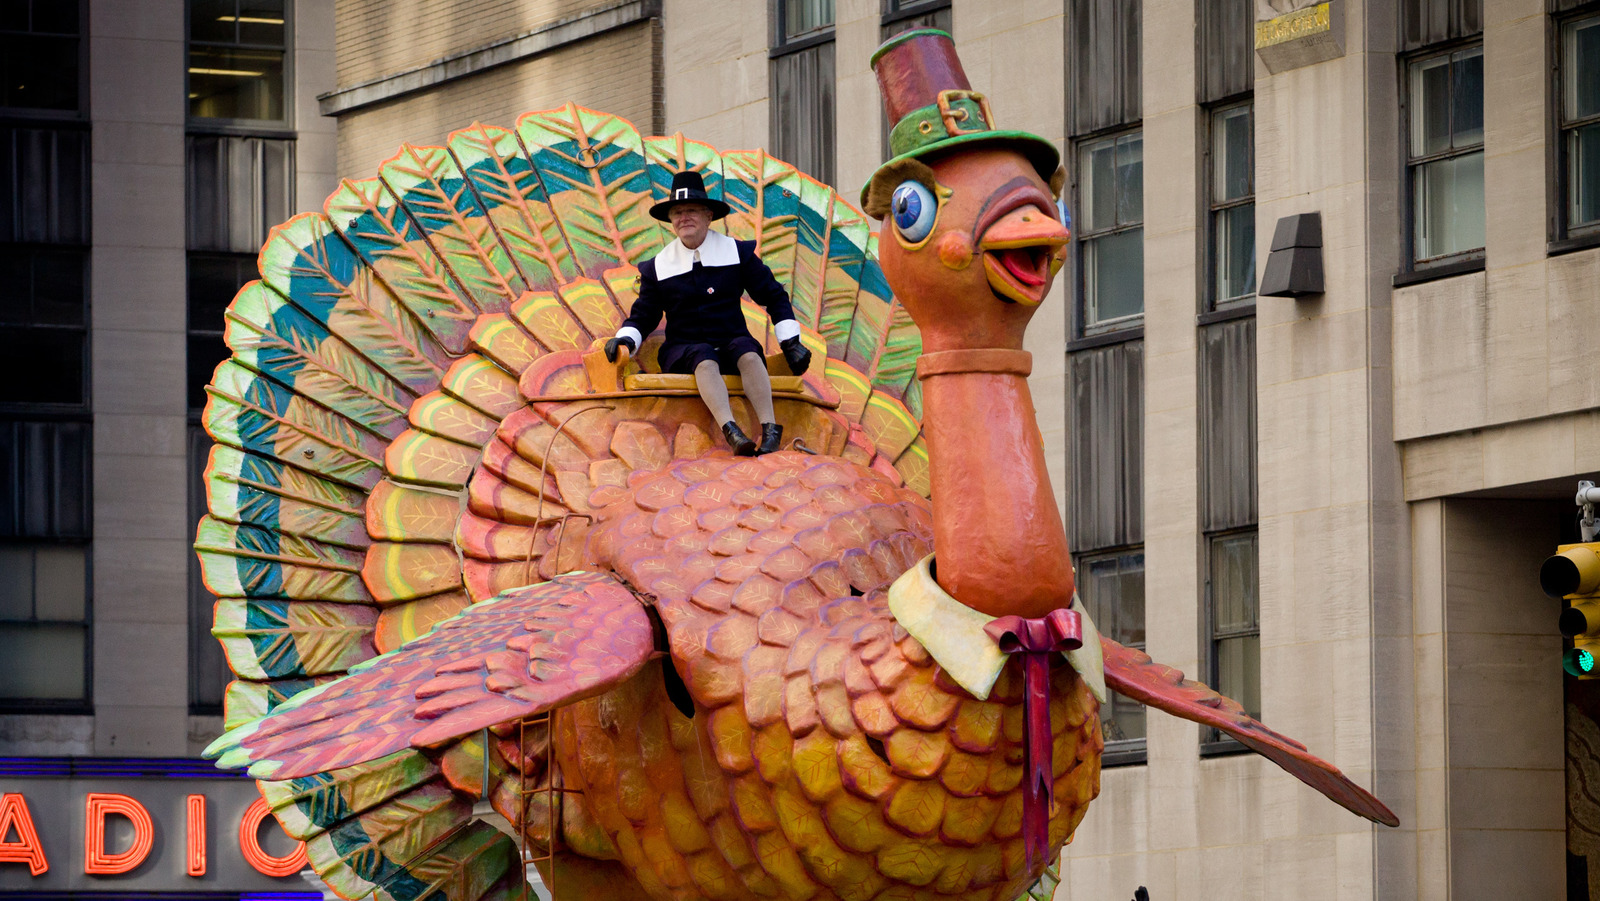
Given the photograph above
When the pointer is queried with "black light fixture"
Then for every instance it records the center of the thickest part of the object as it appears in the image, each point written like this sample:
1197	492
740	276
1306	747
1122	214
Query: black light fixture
1294	266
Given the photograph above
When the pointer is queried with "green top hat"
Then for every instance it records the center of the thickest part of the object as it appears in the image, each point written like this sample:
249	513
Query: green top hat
933	107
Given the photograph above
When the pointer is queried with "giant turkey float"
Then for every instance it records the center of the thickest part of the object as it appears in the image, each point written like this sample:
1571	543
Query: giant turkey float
467	564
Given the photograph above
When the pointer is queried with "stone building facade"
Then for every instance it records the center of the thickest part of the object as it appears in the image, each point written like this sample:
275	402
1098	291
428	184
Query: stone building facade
1332	504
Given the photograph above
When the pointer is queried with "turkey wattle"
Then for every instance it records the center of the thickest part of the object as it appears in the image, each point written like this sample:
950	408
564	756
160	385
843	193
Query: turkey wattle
436	516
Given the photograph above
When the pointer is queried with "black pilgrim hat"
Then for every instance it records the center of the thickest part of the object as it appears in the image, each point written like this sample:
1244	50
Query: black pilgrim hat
688	187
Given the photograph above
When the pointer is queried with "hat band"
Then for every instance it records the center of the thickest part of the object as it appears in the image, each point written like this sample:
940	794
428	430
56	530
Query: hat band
955	113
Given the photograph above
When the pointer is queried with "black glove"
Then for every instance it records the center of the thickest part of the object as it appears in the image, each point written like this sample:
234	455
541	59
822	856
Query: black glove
799	358
611	347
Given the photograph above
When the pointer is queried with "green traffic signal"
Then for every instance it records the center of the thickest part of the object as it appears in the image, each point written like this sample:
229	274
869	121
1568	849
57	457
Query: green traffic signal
1578	662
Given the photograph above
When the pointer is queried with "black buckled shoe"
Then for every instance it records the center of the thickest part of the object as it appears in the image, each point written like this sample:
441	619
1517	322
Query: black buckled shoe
771	436
738	440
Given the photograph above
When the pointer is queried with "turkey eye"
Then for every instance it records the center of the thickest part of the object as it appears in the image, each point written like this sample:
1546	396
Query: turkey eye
913	210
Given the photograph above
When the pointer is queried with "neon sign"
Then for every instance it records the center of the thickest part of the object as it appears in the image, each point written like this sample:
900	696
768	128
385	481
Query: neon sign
20	843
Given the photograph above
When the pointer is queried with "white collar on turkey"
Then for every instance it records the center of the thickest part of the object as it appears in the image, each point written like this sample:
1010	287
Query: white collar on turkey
952	634
716	250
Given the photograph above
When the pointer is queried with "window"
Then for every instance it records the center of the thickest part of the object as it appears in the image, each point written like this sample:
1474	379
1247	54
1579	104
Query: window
1107	161
1445	159
40	56
1232	257
900	16
1230	621
1579	148
239	187
1106	411
237	54
1111	230
1233	618
802	118
45	524
1112	587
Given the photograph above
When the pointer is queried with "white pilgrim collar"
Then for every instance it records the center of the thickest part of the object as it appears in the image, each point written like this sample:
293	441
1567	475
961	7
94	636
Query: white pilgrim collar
716	250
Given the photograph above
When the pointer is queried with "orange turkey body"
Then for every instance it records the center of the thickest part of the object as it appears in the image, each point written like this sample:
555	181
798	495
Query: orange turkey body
828	756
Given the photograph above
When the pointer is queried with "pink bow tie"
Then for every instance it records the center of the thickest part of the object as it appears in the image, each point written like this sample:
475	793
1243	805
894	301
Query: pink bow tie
1037	639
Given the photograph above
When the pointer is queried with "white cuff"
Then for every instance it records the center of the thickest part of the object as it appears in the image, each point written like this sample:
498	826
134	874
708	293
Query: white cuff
629	331
786	329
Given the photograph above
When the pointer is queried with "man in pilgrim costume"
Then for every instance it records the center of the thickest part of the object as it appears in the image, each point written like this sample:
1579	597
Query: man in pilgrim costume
696	282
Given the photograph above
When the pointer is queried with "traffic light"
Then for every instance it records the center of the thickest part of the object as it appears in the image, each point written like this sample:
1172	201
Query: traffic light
1574	573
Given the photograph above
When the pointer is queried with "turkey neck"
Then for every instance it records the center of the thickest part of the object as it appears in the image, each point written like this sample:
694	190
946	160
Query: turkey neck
998	541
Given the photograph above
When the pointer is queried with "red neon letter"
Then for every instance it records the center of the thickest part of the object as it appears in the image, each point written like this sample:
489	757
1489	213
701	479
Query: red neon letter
26	849
95	859
197	835
250	844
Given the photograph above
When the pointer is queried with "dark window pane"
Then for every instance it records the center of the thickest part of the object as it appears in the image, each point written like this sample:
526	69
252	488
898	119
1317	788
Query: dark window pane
261	22
1113	276
1232	151
208	667
1233	584
1234	230
1583	175
1113	590
38	71
43	662
226	83
213	282
206	352
802	116
55	16
58	296
1448	205
805	17
1099	191
238	189
1582	68
213	20
1466	98
1239	671
44	174
1235	619
16	286
1130	179
14	15
59	582
44	479
41	366
1430	106
16	582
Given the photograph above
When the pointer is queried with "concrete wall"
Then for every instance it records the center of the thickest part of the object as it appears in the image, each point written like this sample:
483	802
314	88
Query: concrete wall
612	72
378	38
1491	815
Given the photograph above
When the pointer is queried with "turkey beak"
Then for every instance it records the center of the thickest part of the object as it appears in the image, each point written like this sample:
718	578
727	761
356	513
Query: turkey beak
1021	253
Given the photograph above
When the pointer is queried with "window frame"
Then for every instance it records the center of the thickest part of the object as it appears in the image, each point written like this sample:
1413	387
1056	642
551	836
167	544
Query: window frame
1130	751
1412	269
1563	236
80	413
1123	328
1214	742
82	112
239	126
781	46
1212	305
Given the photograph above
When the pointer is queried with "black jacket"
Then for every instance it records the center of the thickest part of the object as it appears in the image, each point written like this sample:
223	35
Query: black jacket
702	304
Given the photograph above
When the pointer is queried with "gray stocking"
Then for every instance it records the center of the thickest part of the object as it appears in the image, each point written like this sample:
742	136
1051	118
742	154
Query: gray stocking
708	378
757	386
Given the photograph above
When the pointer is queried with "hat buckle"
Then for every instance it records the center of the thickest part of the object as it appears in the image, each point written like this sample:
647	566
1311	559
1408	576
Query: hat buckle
952	116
